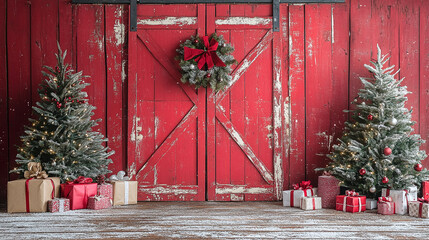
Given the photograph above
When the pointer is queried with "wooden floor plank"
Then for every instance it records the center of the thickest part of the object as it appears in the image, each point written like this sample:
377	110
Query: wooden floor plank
209	220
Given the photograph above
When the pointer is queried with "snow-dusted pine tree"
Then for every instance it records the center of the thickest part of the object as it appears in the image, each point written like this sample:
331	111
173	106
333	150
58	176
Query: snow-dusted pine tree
377	149
60	136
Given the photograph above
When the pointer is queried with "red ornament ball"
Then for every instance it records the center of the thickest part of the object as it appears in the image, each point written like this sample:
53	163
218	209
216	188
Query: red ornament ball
196	41
57	69
208	75
385	180
387	151
362	171
418	167
370	117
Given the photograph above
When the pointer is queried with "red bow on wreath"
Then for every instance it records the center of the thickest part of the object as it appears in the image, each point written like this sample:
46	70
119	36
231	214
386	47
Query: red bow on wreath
207	56
302	186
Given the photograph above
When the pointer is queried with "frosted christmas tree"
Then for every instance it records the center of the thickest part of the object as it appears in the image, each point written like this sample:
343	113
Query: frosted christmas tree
377	149
61	136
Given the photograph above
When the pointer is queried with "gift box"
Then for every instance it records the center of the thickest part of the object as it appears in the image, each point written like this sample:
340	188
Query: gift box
419	209
371	204
351	202
31	195
328	189
401	198
59	205
99	202
124	192
105	190
292	198
78	192
311	203
386	206
425	189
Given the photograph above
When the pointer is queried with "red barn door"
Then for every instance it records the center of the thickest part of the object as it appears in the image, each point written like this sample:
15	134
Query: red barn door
169	122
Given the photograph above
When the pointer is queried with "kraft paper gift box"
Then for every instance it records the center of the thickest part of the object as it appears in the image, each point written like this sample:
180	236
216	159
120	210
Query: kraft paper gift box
99	202
386	206
105	190
78	193
419	209
351	202
59	205
124	192
401	198
328	189
371	204
311	203
40	191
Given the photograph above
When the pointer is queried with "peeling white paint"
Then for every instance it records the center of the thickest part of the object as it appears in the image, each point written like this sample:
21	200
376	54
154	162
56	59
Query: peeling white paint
119	29
254	21
132	170
242	189
135	133
244	66
176	190
327	141
332	25
180	21
156	128
123	73
155	175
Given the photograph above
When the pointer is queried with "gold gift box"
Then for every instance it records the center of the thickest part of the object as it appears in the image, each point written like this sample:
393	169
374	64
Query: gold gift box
120	192
40	192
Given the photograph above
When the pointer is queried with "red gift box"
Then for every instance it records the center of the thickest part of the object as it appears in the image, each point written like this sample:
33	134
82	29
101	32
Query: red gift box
105	190
386	206
59	205
328	190
351	203
99	202
78	193
425	189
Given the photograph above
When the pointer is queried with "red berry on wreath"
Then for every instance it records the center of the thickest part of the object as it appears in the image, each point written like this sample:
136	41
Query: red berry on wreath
370	117
418	167
362	171
387	151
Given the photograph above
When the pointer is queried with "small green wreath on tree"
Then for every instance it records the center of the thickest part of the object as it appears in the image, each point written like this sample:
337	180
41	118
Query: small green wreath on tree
206	62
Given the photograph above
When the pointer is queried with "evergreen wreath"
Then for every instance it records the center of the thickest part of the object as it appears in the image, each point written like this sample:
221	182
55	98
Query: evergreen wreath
206	62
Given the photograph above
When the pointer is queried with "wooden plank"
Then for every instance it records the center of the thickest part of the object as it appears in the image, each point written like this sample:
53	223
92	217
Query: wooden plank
262	169
297	93
66	30
237	189
44	22
318	86
132	105
245	64
424	76
166	144
166	62
116	60
243	22
167	22
4	131
169	189
18	63
91	57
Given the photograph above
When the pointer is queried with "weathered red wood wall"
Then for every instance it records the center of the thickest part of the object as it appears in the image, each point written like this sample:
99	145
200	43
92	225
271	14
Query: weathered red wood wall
328	45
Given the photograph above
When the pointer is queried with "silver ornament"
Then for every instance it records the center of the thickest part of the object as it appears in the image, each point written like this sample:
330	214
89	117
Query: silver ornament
126	178
113	178
121	175
393	121
363	103
372	189
192	67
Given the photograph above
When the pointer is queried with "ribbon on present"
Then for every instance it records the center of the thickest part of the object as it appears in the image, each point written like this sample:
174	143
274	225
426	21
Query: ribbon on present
406	196
304	185
35	171
388	201
98	198
351	193
120	176
207	56
421	201
345	202
81	180
27	193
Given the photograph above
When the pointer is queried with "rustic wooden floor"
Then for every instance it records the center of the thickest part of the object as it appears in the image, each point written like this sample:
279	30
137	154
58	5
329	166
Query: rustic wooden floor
209	220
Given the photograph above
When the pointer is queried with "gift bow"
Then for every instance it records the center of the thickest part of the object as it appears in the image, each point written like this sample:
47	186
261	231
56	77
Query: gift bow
35	171
82	179
385	199
326	173
423	200
98	198
351	193
207	56
303	185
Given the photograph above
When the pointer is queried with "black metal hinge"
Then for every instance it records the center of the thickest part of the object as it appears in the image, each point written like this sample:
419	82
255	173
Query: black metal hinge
133	6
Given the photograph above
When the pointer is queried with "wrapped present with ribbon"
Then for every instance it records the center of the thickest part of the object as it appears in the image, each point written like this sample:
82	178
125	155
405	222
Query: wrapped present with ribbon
328	189
311	203
420	208
32	194
78	191
106	190
292	198
351	202
425	189
386	206
124	190
401	198
99	202
371	204
59	205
